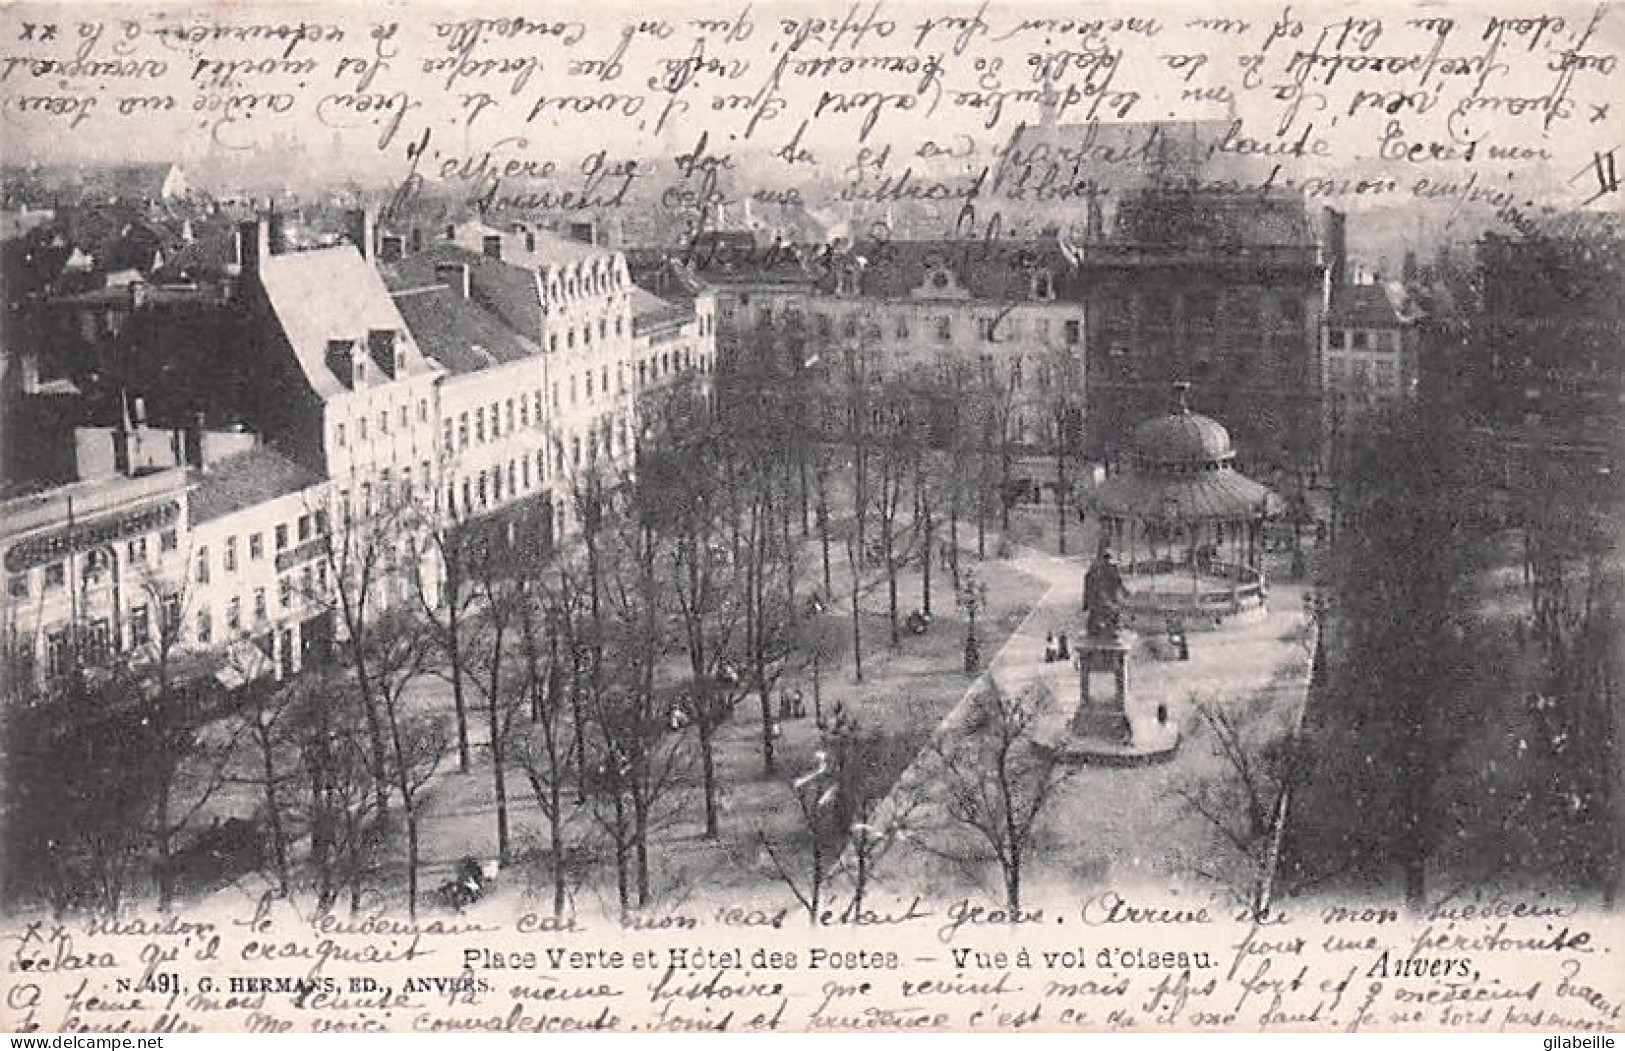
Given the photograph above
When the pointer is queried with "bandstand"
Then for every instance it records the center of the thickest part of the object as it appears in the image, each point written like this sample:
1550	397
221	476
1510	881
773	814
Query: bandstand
1186	525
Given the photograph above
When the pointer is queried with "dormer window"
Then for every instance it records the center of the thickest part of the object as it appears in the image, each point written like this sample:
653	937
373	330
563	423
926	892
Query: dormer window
1043	286
846	283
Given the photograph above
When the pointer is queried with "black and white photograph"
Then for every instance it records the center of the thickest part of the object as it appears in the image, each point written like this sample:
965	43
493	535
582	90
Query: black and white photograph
812	517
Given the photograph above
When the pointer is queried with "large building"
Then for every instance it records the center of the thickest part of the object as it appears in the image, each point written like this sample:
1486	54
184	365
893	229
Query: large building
361	407
1224	290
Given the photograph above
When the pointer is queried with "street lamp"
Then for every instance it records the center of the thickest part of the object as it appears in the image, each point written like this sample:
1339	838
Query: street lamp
972	598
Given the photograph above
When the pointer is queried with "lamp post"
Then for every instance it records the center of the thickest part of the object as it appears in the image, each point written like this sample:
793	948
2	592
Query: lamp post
972	598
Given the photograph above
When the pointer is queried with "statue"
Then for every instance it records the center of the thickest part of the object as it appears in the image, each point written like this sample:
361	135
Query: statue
1103	594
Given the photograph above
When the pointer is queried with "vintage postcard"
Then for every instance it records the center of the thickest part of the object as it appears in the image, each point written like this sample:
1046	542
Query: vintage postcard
812	517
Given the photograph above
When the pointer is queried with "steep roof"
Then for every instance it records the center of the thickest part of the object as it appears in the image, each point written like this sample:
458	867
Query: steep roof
329	293
504	288
459	333
243	481
1362	306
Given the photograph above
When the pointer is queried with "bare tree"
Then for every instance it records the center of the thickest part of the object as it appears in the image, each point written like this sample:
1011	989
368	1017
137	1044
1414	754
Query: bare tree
997	784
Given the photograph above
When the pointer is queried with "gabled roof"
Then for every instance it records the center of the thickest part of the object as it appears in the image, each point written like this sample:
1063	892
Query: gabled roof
1362	306
243	481
329	293
506	289
1001	270
459	333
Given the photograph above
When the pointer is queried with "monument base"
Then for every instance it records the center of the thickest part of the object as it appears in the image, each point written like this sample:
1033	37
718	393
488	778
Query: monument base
1104	729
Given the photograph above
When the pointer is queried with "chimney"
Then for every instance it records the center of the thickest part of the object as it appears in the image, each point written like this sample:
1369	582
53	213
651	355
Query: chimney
276	233
138	294
362	228
341	360
1335	247
492	245
390	248
253	244
139	411
454	276
382	344
194	441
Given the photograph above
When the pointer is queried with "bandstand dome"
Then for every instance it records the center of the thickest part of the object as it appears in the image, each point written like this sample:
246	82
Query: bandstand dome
1182	471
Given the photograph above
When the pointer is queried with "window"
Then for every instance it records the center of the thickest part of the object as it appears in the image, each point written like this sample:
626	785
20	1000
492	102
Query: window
1043	287
55	576
479	424
468	496
1337	339
338	435
361	428
202	566
524	472
304	528
234	614
496	484
496	419
572	389
984	329
1041	326
366	499
446	438
945	329
282	537
617	326
171	624
386	490
403	416
284	592
603	380
230	560
1074	331
423	410
575	451
513	488
589	386
485	495
462	430
570	339
259	606
406	485
205	627
344	505
1015	372
541	466
586	334
169	540
538	408
1362	339
17	585
383	421
136	550
256	546
553	343
524	412
140	625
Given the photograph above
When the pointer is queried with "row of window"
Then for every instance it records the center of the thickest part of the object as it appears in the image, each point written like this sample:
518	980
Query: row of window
1362	375
401	413
522	412
1361	339
54	575
309	526
990	328
312	581
586	334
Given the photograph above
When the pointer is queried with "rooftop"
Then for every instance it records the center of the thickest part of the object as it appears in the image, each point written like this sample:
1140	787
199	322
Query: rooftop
245	480
1362	306
457	332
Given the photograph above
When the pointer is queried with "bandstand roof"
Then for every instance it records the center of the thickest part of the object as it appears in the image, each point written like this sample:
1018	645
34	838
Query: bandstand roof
1222	495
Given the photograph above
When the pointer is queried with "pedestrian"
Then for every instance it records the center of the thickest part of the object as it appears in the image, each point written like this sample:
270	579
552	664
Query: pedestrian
1049	648
798	705
1063	649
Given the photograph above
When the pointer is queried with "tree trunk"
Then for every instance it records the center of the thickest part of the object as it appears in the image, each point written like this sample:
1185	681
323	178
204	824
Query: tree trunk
412	860
454	637
273	808
499	773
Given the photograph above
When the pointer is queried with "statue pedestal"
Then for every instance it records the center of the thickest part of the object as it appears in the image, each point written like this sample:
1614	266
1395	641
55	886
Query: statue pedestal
1102	690
1105	728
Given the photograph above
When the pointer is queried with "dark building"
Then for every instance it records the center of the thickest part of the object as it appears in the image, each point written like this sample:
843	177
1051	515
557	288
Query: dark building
1221	289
